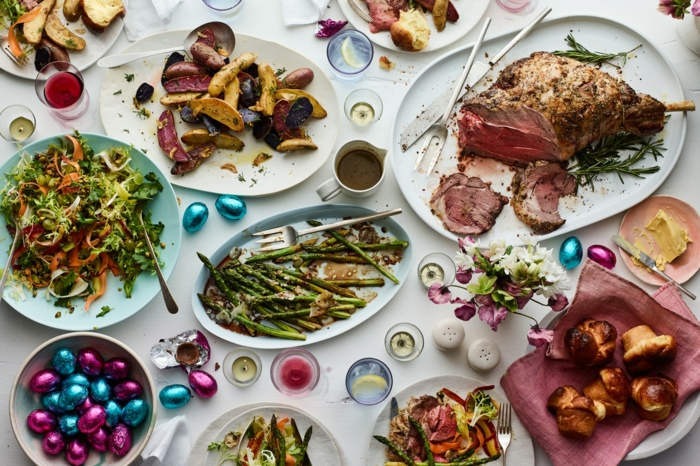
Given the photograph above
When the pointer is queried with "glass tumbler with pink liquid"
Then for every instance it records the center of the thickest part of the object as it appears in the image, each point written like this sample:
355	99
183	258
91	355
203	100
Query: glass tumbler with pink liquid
295	372
59	85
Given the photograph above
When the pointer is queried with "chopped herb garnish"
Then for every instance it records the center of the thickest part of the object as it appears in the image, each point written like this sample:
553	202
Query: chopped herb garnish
581	53
70	43
126	131
144	114
118	92
105	310
280	71
241	178
128	77
120	115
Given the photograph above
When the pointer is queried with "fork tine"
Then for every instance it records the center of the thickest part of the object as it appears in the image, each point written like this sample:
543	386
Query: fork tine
274	247
510	417
424	149
274	239
271	231
436	154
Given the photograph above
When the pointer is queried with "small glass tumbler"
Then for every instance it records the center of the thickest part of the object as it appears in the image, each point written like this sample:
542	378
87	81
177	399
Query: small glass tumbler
224	9
295	372
60	86
369	381
242	367
513	5
363	107
404	342
349	53
436	267
17	123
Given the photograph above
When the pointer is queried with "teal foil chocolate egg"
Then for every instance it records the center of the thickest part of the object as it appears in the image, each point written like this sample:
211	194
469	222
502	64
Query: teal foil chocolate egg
134	412
64	361
68	424
195	217
76	379
571	252
231	207
100	390
113	410
72	396
50	401
175	396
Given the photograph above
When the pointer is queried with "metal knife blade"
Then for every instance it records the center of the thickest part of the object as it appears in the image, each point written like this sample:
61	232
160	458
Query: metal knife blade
394	410
634	251
297	437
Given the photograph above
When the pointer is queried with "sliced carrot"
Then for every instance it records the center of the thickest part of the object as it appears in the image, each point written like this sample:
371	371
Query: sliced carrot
22	204
480	437
70	162
109	264
74	259
60	255
68	180
281	423
12	38
77	148
100	285
443	447
289	460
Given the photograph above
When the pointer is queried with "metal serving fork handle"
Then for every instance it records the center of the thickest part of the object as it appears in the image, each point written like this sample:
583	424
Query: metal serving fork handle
8	265
170	303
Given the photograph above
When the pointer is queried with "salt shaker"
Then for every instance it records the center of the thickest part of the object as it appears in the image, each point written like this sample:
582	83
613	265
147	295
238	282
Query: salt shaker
448	334
484	355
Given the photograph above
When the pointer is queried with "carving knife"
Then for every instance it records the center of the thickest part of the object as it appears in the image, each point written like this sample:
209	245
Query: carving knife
432	114
646	260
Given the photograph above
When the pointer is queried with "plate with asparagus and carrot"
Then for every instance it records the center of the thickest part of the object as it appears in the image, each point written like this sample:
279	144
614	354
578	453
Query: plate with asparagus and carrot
332	281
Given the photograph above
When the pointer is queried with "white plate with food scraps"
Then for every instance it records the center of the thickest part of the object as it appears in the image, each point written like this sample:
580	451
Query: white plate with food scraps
377	297
649	71
470	13
520	451
283	171
97	44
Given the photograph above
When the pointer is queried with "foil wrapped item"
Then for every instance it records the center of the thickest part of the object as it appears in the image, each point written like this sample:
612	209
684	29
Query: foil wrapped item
189	350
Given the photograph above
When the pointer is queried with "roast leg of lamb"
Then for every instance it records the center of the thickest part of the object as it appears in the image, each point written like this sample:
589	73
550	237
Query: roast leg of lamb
466	205
536	192
384	13
546	107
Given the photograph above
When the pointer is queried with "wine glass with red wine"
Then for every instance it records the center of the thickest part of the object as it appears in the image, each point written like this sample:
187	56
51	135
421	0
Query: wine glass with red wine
59	86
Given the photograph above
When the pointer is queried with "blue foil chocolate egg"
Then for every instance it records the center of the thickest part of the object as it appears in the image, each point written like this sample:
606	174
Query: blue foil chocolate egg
127	390
76	379
50	401
90	361
571	252
174	396
113	410
116	368
134	412
92	419
195	217
72	396
602	255
64	361
44	381
68	424
231	207
100	390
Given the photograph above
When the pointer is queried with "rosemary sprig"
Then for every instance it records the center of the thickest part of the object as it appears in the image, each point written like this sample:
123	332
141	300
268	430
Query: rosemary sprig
604	157
582	54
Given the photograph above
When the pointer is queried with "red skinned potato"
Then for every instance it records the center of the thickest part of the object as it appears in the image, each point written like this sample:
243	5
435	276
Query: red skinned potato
185	68
206	37
197	156
207	56
168	140
188	84
298	79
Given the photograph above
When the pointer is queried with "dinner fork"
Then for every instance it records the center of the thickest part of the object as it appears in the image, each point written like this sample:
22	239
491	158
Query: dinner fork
439	130
6	48
289	235
504	429
360	12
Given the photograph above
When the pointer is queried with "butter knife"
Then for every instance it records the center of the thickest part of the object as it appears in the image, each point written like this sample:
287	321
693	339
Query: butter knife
394	410
646	260
436	109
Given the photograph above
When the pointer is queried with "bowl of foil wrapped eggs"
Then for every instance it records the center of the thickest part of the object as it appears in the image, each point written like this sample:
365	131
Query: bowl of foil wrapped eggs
83	399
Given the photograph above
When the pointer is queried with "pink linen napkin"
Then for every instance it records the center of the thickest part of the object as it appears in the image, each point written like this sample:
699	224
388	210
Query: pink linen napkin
602	295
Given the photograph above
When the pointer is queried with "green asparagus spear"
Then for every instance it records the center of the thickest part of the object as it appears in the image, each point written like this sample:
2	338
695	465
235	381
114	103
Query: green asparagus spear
318	282
282	445
333	258
218	280
426	443
401	454
364	246
474	462
357	282
336	311
308	299
305	444
280	252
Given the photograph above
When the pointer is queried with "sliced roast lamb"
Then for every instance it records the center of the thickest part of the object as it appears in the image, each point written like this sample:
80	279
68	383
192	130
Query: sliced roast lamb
536	192
466	205
546	107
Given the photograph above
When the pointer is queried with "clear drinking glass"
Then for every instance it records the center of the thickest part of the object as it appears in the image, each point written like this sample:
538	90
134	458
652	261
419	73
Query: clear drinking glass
350	53
60	86
295	372
17	123
242	367
513	5
224	9
369	381
404	342
436	267
363	107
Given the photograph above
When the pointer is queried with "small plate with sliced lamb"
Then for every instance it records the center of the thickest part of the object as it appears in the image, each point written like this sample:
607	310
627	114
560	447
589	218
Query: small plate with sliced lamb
546	144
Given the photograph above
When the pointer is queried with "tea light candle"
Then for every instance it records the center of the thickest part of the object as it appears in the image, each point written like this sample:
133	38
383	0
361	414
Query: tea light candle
484	355
242	367
16	123
448	334
436	268
404	342
431	273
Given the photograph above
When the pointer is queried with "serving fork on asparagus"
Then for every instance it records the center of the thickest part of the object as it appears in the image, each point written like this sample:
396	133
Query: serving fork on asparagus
504	428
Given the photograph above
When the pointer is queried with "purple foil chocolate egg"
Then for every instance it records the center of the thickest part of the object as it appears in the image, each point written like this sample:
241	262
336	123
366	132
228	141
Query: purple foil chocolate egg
202	383
92	419
44	381
603	256
98	439
77	451
85	405
120	440
53	443
90	361
41	421
116	368
127	390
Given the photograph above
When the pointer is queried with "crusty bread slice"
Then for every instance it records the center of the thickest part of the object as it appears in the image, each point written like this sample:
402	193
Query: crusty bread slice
98	14
411	31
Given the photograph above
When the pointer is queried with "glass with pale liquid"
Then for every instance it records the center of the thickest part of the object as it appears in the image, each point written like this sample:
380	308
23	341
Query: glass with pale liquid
363	107
349	53
369	381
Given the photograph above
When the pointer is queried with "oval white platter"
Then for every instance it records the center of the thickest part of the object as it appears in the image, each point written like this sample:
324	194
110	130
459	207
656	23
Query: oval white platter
297	218
470	13
649	71
283	171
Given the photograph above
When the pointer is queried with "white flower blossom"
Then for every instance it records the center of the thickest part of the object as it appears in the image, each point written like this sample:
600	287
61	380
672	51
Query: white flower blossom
465	260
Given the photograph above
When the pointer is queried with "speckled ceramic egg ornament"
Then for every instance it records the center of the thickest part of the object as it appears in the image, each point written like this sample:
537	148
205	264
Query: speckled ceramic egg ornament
64	361
603	256
98	439
76	379
42	421
90	361
100	390
113	411
120	440
44	381
195	217
116	369
203	383
174	396
50	402
127	390
134	412
77	451
72	396
231	207
92	419
68	424
53	443
571	252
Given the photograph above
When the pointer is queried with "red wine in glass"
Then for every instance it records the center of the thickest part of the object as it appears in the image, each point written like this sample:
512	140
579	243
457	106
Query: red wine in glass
63	89
295	373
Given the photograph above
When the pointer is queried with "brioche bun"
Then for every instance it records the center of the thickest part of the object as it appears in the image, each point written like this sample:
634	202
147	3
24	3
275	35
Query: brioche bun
411	31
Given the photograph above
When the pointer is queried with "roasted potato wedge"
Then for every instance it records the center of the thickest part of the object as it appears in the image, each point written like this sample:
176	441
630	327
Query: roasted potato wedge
71	10
178	99
222	141
440	14
32	30
293	94
232	93
60	34
268	87
226	74
296	144
220	111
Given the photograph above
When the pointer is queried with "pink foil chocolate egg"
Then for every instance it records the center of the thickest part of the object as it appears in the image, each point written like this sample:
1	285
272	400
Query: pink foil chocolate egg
602	255
85	405
116	368
92	419
77	451
41	421
53	443
90	361
120	440
202	383
127	390
44	381
98	439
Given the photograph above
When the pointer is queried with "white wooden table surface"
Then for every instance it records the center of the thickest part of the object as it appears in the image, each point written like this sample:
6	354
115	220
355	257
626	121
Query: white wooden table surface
349	422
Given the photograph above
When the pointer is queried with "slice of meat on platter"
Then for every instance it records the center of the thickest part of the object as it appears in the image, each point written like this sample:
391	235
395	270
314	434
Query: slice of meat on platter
384	13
